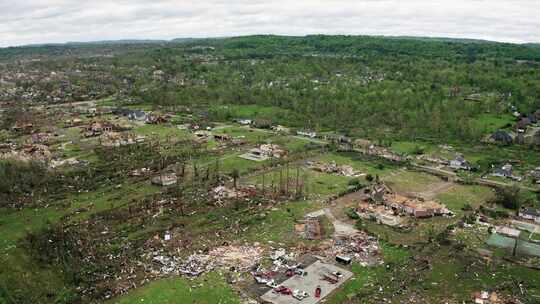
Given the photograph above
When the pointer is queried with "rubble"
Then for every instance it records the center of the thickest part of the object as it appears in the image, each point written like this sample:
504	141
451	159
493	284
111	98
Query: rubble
360	247
28	153
310	228
236	258
264	152
196	264
241	258
56	163
222	193
344	170
165	179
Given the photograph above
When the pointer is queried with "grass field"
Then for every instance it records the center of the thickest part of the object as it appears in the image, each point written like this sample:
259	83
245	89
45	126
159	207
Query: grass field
410	181
489	123
460	195
210	288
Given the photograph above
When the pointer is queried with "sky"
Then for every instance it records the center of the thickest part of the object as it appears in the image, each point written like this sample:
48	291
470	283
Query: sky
52	21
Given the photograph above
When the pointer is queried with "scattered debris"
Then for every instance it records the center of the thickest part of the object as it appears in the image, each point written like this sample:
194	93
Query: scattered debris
264	152
344	170
165	179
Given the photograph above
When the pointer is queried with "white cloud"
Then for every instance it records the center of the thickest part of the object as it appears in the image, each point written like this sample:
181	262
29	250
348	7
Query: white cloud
49	21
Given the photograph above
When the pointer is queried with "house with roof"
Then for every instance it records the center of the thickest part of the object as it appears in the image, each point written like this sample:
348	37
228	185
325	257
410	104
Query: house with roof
505	171
137	115
522	124
530	214
460	163
501	137
535	174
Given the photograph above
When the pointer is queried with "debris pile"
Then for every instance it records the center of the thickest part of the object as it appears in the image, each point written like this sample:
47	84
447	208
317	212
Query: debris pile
140	172
264	152
486	297
196	264
360	246
241	258
166	264
66	162
165	179
222	193
28	153
310	228
333	168
237	258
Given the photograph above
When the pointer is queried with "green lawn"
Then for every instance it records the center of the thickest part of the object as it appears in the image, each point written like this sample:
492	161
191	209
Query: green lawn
460	195
366	278
163	131
210	288
410	181
316	184
489	123
277	225
278	115
251	135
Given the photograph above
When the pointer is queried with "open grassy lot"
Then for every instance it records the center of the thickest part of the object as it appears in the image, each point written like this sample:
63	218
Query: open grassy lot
367	279
277	224
210	288
404	181
460	196
162	131
228	112
253	136
315	184
489	123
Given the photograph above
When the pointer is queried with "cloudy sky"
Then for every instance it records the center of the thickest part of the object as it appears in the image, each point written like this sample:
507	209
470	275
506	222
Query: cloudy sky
47	21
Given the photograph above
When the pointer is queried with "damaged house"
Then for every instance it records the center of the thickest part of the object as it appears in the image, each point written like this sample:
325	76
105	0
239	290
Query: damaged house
165	179
530	214
98	128
460	163
415	207
264	152
505	171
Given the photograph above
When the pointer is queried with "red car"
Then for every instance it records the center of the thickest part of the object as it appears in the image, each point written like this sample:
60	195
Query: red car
283	290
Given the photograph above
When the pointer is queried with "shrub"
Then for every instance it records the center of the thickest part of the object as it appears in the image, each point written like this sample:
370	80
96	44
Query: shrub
351	213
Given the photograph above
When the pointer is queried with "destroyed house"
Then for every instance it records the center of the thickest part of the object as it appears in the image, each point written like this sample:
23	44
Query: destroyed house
22	127
222	137
165	179
98	128
508	231
155	119
414	207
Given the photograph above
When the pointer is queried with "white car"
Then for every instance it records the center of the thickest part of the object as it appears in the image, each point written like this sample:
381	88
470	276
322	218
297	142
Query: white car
300	294
271	284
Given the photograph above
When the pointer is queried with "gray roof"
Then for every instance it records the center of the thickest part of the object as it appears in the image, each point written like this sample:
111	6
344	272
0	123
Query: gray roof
531	211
